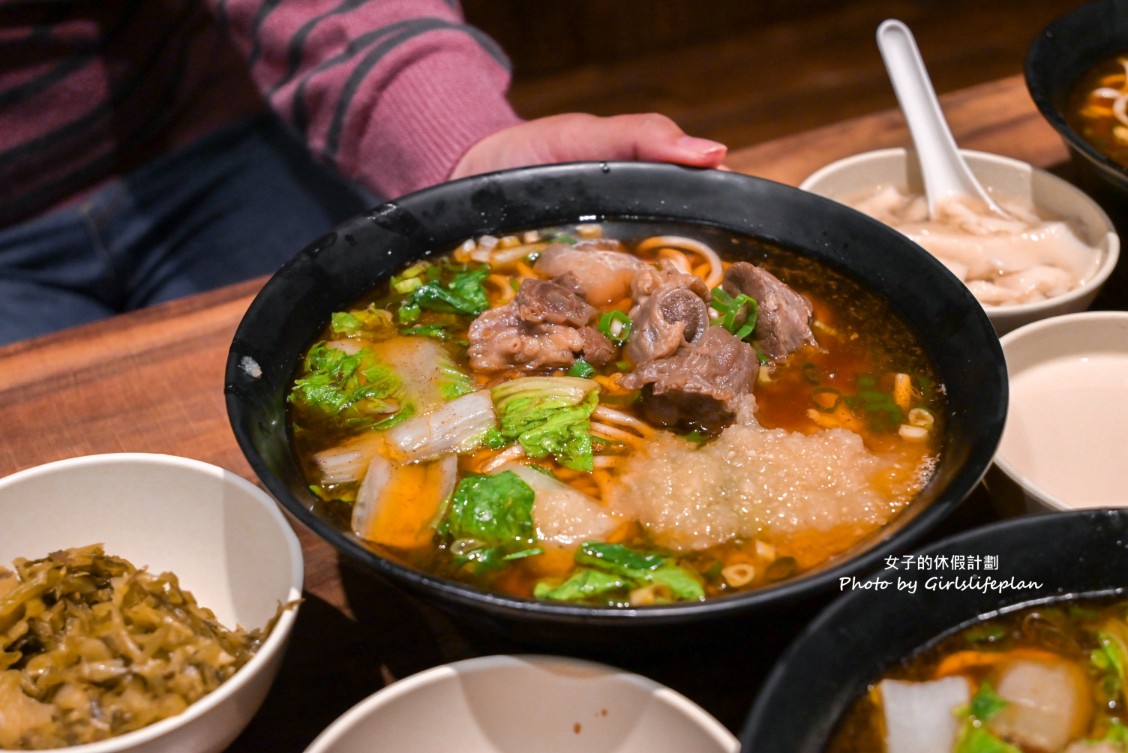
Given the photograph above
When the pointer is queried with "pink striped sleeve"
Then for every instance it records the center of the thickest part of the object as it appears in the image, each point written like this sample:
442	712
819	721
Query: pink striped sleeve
391	91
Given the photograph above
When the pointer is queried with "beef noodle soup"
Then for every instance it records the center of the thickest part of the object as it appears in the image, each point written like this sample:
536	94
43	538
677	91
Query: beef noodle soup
1042	679
616	415
1096	107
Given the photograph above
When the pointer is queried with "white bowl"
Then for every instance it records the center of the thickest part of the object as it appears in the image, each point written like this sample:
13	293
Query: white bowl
1001	176
1065	441
224	538
516	704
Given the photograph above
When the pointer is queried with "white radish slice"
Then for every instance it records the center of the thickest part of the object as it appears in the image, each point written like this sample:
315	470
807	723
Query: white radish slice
918	715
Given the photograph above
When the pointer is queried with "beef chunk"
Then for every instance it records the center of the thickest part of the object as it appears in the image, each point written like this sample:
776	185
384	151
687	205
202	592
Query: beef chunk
649	280
601	270
544	327
704	385
670	311
784	315
664	322
596	349
549	301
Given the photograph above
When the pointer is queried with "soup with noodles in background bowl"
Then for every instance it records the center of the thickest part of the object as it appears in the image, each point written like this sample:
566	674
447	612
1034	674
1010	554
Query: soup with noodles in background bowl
1062	68
623	394
1009	637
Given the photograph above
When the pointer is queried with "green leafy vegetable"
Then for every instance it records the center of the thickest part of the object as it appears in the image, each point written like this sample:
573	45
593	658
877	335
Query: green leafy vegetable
1107	655
355	389
737	314
548	416
985	633
1111	655
451	381
489	521
609	572
973	736
368	321
986	703
976	739
463	293
586	584
439	332
414	277
1117	734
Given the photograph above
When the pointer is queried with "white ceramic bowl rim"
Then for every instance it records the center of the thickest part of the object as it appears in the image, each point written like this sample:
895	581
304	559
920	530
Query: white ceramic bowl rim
334	732
273	643
1029	330
1111	237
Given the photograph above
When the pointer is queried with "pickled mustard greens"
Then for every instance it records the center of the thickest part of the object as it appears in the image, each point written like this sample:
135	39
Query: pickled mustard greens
92	647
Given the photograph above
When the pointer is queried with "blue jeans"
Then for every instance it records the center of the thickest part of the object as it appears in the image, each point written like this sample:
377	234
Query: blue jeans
234	205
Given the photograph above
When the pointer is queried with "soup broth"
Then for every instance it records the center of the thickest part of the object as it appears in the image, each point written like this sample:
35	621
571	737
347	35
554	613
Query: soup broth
1096	107
602	414
1042	679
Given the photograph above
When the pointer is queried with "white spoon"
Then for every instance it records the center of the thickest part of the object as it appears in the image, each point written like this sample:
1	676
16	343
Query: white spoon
943	168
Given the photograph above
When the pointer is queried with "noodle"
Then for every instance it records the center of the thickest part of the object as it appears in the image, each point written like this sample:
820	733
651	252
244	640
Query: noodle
618	417
510	454
617	435
505	291
713	262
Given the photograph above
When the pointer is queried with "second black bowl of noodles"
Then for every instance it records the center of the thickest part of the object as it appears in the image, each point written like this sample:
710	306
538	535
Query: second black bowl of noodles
1055	62
1056	557
295	304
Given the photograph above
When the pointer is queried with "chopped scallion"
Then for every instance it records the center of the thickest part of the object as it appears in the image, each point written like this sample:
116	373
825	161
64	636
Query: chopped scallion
616	325
737	313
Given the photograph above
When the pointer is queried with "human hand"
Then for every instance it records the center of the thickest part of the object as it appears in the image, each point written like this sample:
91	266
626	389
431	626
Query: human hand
576	137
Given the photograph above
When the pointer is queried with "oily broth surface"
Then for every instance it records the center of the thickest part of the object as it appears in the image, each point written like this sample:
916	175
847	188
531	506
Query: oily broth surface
867	338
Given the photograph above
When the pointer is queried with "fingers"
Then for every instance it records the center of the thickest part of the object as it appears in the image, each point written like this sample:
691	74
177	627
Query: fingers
577	137
653	138
649	137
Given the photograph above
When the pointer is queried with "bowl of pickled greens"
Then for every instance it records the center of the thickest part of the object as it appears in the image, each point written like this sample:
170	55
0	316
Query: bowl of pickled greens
145	603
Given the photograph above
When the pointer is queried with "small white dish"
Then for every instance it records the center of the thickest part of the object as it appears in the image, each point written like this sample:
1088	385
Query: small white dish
1065	441
857	175
223	537
517	704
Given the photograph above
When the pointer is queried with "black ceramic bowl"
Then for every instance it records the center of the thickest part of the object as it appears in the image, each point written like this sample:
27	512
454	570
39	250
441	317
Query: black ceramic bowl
296	303
1067	48
852	642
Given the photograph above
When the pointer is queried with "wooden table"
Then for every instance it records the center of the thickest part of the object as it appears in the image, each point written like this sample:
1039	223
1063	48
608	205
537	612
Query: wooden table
152	381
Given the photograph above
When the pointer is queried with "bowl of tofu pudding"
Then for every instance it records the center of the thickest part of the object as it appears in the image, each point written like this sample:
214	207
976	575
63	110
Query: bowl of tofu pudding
1050	256
1067	427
